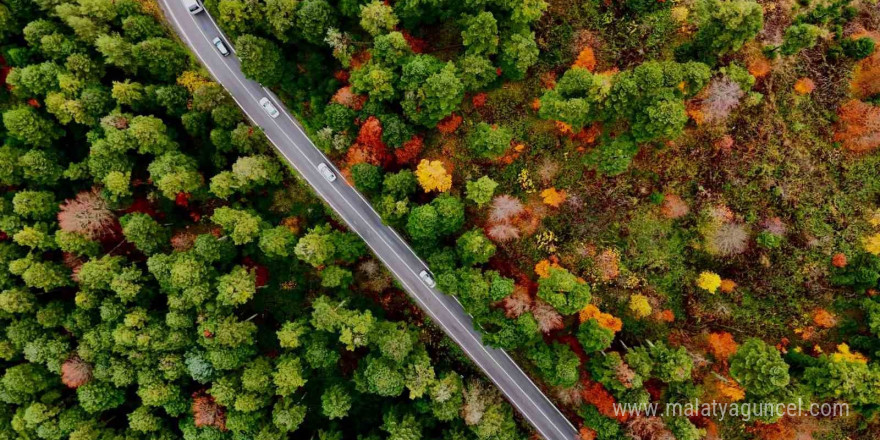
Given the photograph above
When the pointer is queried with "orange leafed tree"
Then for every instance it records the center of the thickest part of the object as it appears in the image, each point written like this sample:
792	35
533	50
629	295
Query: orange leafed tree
839	260
666	316
553	197
866	76
543	267
722	345
586	59
206	411
586	433
858	126
725	389
823	318
756	63
605	320
596	394
804	86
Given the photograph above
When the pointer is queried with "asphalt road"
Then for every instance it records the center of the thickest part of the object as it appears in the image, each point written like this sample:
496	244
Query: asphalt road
290	140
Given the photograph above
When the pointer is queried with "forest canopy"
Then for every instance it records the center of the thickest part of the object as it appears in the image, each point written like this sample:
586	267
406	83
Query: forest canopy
642	201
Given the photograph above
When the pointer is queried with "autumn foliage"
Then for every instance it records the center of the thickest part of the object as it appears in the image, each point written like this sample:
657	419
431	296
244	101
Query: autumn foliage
858	127
345	96
866	76
206	412
605	320
75	372
586	433
757	64
417	45
722	345
369	147
553	197
824	319
432	176
87	214
673	207
479	100
594	393
725	389
409	151
839	260
542	269
449	124
804	86
586	59
192	80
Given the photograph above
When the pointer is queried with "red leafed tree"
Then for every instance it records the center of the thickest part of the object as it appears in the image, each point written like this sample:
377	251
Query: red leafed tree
369	147
479	99
206	411
409	151
75	372
144	206
449	124
262	273
182	199
417	45
858	128
342	76
87	214
370	133
4	70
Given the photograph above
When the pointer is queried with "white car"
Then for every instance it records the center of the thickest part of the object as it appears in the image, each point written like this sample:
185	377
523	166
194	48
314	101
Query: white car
193	6
218	43
269	107
427	278
325	171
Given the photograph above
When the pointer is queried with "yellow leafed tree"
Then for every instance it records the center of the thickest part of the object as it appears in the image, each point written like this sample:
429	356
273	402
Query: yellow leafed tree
709	281
432	176
872	243
192	80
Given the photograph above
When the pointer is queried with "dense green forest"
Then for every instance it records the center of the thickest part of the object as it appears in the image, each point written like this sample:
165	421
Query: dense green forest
164	275
644	201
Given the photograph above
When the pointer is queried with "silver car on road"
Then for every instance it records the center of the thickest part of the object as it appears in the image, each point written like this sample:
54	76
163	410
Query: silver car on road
269	107
325	171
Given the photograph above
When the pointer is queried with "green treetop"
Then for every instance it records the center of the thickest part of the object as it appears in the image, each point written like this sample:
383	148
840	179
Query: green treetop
564	291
